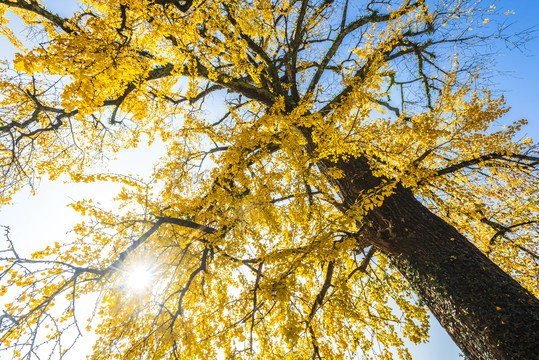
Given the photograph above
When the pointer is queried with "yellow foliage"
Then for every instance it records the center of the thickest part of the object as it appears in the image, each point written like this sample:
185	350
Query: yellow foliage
250	250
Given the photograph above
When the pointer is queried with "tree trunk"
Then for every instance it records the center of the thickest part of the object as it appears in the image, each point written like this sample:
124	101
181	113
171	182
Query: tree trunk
484	310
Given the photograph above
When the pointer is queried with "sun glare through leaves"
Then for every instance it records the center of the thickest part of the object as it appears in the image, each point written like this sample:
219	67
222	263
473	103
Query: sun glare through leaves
139	278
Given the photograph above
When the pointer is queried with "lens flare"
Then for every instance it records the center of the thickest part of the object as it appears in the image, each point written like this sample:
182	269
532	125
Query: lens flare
139	278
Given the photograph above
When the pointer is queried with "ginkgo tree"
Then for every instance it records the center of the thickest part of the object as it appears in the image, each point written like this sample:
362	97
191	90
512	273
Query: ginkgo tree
331	169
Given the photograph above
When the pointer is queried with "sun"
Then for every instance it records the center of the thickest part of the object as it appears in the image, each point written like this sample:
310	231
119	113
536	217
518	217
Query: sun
139	278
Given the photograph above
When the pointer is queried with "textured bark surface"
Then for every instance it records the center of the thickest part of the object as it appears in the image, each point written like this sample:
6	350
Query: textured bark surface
486	312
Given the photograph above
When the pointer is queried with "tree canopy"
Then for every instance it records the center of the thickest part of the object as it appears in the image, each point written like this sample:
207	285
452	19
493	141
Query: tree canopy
295	130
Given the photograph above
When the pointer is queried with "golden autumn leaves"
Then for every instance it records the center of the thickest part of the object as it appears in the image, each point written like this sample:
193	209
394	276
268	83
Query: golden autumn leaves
250	256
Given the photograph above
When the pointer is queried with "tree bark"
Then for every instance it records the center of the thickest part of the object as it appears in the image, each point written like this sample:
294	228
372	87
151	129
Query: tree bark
485	311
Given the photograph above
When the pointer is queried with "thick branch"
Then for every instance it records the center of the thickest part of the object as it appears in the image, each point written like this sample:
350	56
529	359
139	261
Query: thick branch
525	160
372	18
35	7
325	287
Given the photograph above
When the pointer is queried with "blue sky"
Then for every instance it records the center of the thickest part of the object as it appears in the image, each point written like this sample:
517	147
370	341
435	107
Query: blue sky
521	78
518	79
517	75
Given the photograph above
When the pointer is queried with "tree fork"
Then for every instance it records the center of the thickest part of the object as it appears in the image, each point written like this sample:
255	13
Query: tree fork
485	311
